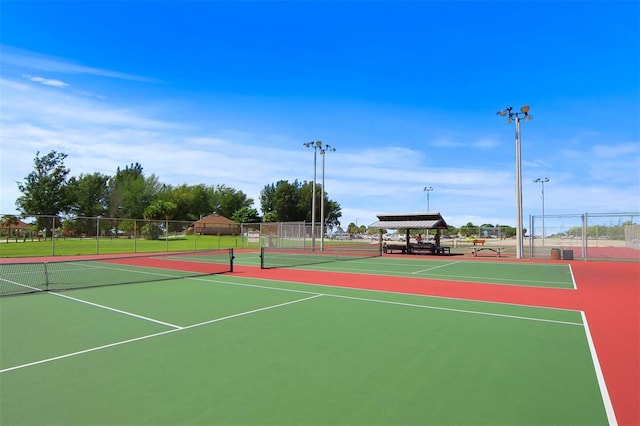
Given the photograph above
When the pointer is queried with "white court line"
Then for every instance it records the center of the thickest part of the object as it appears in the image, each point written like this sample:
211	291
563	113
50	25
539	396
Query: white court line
573	278
99	306
606	399
464	311
131	314
435	267
337	296
447	277
136	339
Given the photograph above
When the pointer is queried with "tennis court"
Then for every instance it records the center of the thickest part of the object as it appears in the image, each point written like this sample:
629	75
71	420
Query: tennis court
301	347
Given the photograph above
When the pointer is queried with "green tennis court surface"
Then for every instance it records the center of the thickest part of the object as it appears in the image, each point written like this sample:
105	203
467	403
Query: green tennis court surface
227	350
447	268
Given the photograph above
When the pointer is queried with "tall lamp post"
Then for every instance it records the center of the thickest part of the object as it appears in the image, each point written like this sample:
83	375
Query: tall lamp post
542	181
317	145
323	151
428	189
511	116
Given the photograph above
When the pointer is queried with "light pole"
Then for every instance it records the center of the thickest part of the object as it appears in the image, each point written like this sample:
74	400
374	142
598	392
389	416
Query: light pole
524	112
542	181
323	151
428	189
316	146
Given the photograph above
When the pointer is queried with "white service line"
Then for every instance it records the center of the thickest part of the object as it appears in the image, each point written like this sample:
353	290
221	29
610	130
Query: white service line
435	267
131	314
136	339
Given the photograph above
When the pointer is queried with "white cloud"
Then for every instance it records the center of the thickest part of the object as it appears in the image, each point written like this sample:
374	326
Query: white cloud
99	136
46	81
616	151
28	60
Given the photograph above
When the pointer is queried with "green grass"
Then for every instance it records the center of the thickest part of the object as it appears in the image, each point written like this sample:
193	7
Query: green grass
88	246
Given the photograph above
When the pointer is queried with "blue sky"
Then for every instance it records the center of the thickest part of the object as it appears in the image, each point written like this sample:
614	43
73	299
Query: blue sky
407	92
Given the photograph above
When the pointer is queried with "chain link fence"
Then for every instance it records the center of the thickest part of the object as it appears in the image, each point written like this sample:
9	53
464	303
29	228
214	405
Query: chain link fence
585	236
102	235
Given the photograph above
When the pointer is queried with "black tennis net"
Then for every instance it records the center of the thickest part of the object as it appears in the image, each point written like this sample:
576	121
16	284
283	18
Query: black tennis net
58	275
288	257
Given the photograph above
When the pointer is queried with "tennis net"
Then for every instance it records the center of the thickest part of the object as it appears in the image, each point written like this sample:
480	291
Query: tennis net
58	275
300	256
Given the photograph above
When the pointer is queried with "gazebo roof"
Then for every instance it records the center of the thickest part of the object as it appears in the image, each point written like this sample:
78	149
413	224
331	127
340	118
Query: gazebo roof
432	220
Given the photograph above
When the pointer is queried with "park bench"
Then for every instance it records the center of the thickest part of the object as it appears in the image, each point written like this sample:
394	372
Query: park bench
496	250
390	248
430	248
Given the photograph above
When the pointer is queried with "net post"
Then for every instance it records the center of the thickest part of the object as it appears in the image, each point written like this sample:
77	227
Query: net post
231	257
46	276
261	257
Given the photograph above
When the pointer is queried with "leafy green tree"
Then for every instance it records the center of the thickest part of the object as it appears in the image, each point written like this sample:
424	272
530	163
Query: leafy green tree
87	195
246	215
226	201
292	202
44	191
280	201
130	192
192	202
332	211
7	221
469	230
162	210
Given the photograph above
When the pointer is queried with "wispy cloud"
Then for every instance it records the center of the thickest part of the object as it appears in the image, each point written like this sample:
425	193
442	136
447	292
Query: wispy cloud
100	135
617	150
33	61
45	81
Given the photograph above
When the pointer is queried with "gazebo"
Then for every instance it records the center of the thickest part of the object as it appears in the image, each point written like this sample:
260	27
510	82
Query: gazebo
408	221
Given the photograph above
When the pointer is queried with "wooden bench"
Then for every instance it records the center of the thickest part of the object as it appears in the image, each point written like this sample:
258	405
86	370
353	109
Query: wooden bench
430	248
390	248
478	242
443	249
496	250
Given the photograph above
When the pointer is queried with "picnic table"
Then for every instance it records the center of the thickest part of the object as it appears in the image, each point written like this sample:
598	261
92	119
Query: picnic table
496	250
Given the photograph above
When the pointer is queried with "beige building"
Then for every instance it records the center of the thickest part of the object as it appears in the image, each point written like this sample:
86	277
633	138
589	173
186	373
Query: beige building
214	224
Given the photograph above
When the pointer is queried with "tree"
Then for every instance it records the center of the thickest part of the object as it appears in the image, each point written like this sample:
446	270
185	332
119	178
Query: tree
87	195
8	221
280	201
469	229
45	188
246	215
226	201
157	210
292	202
130	192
